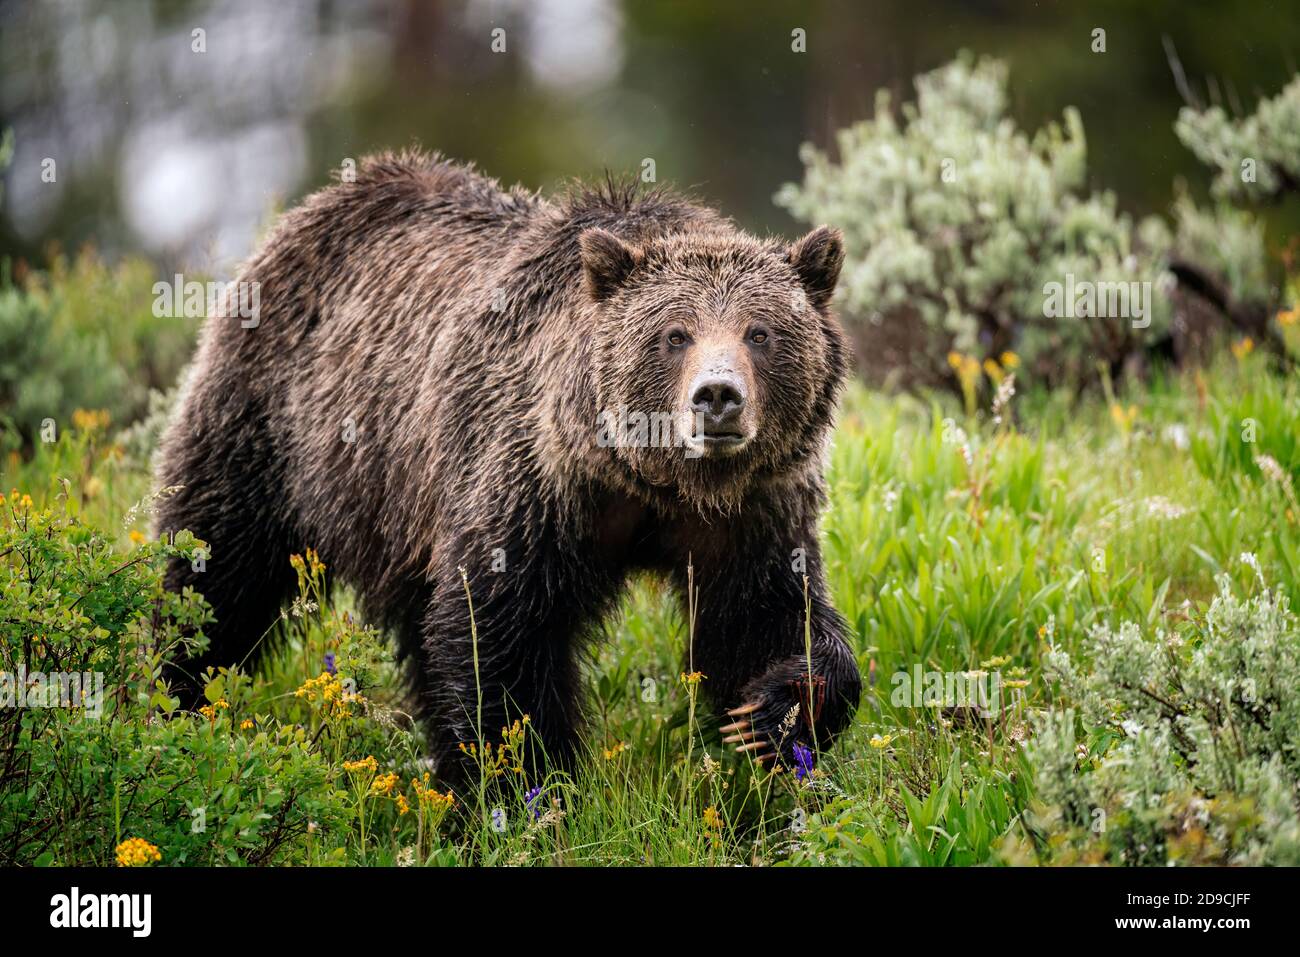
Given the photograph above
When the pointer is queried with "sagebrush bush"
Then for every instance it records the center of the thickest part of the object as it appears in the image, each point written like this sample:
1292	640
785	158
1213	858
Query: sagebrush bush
1178	746
955	221
1257	157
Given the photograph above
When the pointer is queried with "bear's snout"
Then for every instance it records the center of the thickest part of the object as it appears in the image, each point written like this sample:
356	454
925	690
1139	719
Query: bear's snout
717	396
719	400
717	404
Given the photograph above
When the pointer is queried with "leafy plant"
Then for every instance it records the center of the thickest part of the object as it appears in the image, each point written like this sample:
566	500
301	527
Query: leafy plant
1180	746
956	225
83	335
1256	157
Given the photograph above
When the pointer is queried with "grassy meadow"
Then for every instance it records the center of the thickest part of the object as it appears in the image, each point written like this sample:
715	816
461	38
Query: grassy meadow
1122	563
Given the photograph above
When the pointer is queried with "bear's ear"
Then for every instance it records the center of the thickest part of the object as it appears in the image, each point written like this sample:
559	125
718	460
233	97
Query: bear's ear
607	261
817	259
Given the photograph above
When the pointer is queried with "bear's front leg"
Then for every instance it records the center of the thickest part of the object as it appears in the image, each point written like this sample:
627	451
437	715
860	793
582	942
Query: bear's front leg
500	645
479	678
754	629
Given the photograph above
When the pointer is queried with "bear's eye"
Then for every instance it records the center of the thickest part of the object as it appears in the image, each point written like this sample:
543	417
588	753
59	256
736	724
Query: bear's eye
758	337
677	338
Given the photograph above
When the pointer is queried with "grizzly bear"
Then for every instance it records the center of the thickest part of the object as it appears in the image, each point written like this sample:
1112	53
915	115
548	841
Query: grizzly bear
450	382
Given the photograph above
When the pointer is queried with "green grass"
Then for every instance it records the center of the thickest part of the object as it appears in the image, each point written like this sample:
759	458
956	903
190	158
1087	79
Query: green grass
1065	517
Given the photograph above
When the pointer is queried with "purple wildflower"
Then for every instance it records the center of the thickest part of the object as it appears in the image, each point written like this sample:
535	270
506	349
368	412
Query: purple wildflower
329	663
532	803
803	762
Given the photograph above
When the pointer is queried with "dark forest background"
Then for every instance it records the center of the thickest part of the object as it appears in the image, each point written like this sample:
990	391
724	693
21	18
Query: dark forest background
185	157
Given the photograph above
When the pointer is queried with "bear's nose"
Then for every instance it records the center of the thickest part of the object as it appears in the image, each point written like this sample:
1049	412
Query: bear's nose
719	398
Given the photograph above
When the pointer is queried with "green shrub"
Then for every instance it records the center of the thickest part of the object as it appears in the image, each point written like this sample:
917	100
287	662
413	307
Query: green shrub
97	759
47	372
955	222
84	336
1178	747
1256	157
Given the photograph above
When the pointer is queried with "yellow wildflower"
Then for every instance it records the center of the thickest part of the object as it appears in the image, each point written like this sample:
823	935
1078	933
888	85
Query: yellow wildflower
968	371
428	798
497	759
368	764
137	852
90	420
326	691
1124	418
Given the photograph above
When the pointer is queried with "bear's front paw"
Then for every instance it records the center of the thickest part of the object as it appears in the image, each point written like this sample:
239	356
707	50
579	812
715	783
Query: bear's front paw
788	713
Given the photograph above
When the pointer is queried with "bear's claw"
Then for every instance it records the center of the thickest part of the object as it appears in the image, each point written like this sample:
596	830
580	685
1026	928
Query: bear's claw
741	734
745	737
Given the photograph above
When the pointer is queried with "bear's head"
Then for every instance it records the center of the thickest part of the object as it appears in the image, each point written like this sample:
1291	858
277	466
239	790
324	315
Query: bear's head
717	361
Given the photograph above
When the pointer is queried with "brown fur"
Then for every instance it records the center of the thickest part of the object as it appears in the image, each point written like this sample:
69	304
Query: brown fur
473	335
